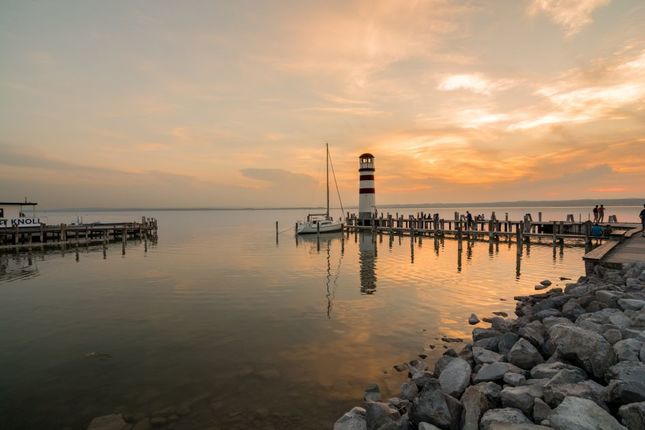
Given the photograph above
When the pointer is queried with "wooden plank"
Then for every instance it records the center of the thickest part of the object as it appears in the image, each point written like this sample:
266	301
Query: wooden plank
600	252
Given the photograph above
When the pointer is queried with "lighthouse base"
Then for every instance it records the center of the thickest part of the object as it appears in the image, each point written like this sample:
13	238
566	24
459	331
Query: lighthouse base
365	218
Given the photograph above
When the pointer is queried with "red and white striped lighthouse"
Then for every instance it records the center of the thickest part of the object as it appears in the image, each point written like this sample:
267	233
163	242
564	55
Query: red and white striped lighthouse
366	199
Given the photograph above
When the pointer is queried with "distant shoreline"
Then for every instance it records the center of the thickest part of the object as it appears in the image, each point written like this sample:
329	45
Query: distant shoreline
631	202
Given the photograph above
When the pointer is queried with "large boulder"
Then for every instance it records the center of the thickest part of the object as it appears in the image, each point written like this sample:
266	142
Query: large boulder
627	382
476	400
583	347
633	415
409	390
521	397
455	377
352	420
524	355
568	376
430	406
495	371
575	413
495	417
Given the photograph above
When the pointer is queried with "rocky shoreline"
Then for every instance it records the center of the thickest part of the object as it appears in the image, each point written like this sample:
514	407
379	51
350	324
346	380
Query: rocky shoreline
571	360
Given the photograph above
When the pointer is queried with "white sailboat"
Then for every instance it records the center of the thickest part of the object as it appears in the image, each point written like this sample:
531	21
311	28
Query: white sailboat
320	223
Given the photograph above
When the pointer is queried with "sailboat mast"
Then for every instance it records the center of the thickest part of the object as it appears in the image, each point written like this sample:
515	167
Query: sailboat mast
327	163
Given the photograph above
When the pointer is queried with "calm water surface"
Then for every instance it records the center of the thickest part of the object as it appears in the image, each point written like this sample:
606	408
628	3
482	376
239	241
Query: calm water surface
252	332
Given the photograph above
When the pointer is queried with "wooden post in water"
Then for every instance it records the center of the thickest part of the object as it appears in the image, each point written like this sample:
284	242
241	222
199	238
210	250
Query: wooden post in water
276	232
459	235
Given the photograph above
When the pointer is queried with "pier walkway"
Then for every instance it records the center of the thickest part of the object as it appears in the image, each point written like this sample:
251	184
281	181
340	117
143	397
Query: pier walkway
629	249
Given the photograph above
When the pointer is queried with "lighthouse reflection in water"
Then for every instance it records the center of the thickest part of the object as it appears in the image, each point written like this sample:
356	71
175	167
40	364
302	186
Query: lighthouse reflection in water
367	261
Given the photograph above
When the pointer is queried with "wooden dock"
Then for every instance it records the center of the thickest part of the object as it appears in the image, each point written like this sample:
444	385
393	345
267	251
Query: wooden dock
510	230
76	234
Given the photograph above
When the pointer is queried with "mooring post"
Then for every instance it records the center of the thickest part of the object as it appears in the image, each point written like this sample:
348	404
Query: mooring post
459	235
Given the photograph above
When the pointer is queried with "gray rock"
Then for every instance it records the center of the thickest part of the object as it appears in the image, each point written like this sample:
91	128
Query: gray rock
476	400
372	393
572	309
533	332
483	333
524	355
427	426
456	408
455	377
551	321
545	282
430	406
549	370
514	379
108	422
493	417
591	350
628	349
417	368
633	415
548	313
568	376
484	356
495	371
575	413
521	397
473	319
610	298
554	394
409	390
642	353
506	342
631	304
352	420
539	287
541	410
379	414
489	343
627	382
612	335
442	363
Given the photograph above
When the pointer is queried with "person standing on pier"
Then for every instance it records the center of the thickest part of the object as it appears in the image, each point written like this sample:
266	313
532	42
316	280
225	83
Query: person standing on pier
642	215
469	220
595	214
601	213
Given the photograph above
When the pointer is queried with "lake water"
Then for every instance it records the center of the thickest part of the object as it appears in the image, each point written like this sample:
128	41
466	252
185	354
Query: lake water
250	332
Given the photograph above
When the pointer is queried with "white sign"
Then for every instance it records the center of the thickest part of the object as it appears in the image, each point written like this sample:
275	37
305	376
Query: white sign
19	222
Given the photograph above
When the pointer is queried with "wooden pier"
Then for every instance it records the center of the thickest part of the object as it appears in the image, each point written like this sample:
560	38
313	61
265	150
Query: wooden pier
76	234
510	230
614	254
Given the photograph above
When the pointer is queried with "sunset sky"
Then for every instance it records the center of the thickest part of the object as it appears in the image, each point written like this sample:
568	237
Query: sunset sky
229	103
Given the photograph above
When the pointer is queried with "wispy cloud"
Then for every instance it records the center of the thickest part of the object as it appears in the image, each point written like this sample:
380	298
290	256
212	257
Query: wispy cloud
474	82
572	15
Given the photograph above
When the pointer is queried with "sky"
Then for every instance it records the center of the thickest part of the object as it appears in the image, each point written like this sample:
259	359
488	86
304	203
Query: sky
229	104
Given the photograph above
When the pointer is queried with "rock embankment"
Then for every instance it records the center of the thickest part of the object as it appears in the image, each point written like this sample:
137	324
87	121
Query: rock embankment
571	360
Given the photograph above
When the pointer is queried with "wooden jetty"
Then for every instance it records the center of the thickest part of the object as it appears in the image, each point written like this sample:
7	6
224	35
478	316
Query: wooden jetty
76	234
614	254
519	231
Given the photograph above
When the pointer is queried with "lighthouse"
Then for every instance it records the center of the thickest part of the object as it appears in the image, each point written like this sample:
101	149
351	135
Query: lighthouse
366	200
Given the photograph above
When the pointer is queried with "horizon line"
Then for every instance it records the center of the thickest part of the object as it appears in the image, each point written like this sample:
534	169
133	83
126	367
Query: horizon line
635	201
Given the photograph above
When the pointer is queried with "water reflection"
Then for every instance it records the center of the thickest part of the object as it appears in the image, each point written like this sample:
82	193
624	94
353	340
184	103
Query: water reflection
367	262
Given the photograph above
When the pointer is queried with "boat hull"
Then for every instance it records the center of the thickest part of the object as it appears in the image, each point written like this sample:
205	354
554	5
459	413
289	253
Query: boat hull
310	228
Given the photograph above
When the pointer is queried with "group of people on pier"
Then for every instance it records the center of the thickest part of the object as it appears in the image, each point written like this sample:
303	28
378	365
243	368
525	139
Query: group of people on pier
599	214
